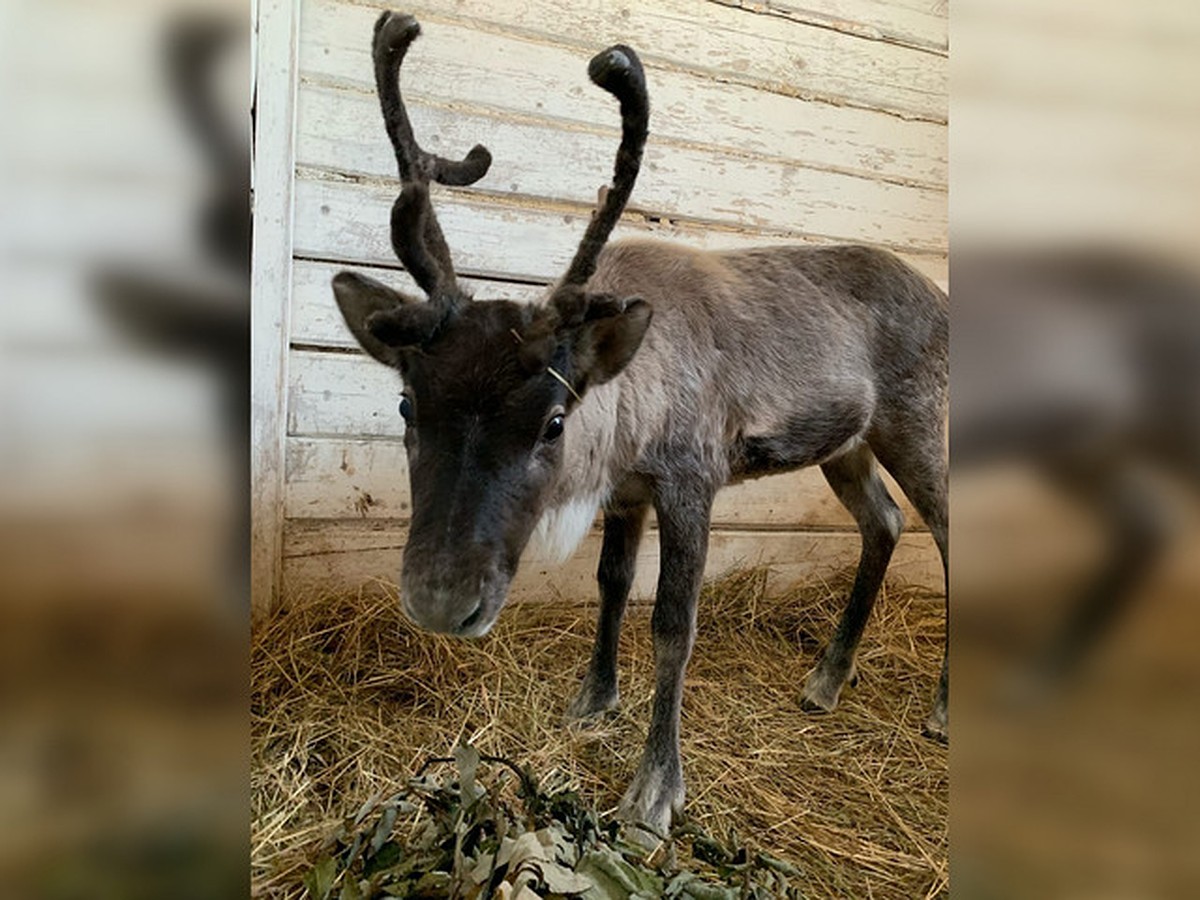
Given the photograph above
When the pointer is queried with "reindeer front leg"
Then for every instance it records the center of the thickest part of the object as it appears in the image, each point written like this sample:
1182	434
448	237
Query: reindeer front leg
657	791
618	561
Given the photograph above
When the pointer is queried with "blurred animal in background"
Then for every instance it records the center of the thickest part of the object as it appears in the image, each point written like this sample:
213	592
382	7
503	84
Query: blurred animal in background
1082	365
198	310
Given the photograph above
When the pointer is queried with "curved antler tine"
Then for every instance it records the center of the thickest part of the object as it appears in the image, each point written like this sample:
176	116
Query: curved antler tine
394	34
619	71
467	170
416	235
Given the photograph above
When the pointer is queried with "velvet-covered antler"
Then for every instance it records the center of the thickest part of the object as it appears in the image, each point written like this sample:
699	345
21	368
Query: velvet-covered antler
416	236
619	71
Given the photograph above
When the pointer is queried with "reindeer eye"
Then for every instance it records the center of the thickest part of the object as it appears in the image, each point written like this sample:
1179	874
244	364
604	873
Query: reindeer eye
406	410
554	429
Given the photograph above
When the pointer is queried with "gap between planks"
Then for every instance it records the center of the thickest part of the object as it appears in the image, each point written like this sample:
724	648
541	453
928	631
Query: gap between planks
478	274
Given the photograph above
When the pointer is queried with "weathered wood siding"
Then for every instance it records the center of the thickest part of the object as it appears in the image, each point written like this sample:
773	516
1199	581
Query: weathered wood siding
772	122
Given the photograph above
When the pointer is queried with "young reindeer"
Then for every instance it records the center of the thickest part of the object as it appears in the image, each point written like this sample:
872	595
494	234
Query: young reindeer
524	417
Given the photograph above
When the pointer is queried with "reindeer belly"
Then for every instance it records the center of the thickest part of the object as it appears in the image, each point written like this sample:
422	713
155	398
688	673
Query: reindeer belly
805	438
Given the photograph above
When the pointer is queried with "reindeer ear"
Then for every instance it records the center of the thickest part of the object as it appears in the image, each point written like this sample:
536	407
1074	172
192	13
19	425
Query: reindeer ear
381	319
608	337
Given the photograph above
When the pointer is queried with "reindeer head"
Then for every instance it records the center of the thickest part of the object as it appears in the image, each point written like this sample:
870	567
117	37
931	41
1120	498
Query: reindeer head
488	386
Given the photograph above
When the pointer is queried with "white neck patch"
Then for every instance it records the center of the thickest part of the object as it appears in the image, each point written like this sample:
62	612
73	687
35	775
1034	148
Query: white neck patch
561	528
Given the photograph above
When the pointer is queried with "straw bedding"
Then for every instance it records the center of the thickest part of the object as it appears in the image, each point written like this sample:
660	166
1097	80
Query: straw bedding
349	699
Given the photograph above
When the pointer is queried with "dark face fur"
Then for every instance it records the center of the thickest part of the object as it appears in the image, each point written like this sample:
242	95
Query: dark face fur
484	442
485	420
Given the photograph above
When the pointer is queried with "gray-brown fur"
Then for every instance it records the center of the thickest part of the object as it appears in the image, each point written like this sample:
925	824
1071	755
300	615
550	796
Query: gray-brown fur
671	373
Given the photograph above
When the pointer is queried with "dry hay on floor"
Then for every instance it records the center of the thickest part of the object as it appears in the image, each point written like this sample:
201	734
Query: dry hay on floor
349	699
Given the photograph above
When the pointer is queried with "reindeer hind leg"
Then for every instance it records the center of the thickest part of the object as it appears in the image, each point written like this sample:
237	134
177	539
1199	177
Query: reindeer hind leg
916	458
855	479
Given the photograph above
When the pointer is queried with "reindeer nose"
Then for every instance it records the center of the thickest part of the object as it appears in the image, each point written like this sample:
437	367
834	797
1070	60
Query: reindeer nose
470	621
442	612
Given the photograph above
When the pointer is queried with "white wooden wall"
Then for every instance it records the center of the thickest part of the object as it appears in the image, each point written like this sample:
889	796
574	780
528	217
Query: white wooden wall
772	122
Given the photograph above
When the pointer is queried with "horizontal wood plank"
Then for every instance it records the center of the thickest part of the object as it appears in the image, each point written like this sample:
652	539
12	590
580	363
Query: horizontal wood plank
348	221
354	555
921	24
544	82
342	394
329	478
340	131
776	54
342	479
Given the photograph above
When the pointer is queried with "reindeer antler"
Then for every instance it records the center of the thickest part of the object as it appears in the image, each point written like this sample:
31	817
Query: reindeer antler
619	71
416	236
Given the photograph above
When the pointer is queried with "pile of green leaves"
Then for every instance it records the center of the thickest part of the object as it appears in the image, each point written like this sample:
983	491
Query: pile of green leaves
509	839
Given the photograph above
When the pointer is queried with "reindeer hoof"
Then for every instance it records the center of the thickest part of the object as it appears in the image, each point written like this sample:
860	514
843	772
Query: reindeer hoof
815	707
591	703
822	689
653	799
937	726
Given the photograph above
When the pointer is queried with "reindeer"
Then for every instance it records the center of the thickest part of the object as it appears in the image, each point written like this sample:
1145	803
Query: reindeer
650	375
